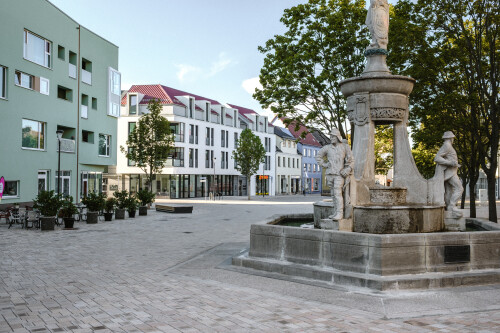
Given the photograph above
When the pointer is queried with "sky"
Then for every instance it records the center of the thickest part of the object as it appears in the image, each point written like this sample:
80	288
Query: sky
204	47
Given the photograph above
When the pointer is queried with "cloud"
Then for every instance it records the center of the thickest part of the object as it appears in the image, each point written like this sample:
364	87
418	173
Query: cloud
251	84
220	64
186	72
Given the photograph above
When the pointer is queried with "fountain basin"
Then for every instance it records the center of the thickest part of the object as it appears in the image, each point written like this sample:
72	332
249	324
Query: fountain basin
375	261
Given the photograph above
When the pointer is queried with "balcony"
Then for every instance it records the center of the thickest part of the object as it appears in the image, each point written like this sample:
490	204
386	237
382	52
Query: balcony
83	111
67	146
72	71
86	77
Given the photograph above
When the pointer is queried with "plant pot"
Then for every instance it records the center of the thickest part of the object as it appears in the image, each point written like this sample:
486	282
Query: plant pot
120	214
69	222
131	213
143	210
92	217
47	223
108	216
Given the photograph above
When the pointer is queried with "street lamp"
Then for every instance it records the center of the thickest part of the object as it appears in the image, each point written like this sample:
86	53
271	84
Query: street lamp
59	136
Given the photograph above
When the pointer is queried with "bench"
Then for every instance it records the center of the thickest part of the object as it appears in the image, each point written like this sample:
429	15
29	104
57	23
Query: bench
174	208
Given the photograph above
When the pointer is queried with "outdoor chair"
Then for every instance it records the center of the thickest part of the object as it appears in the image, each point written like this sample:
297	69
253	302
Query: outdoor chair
32	217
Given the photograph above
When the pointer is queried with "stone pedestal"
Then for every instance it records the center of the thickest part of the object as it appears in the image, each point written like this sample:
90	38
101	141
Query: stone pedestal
452	223
329	224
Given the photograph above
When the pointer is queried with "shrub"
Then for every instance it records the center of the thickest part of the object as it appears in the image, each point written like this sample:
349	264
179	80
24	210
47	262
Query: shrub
94	201
48	203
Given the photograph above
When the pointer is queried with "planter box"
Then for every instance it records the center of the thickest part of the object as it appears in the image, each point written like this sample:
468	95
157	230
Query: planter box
47	223
92	217
143	210
120	214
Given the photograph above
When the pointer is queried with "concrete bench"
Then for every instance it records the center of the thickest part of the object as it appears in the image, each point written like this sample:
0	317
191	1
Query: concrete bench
174	208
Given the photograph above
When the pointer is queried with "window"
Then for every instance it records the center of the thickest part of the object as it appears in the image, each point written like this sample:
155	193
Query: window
64	93
114	93
177	159
64	182
61	53
33	134
44	86
191	157
193	134
298	164
129	161
37	49
84	107
279	160
289	162
207	112
87	136
293	163
235	140
223	138
132	104
178	130
104	145
72	65
209	141
196	158
191	107
267	144
267	163
223	160
131	127
3	82
207	158
43	180
24	80
11	189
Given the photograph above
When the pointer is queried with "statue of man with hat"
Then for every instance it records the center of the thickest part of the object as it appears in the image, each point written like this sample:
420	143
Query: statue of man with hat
338	161
447	163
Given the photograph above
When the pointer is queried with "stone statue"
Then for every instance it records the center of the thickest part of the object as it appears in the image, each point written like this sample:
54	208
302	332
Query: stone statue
447	164
337	159
377	21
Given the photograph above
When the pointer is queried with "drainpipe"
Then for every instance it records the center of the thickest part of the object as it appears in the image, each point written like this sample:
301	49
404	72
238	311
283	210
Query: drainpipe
78	69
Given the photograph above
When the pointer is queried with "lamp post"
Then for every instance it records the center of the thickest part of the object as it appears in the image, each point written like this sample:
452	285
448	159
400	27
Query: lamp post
59	136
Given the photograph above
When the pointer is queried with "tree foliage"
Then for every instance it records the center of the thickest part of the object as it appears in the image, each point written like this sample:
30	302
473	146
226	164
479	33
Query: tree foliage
324	44
249	154
451	48
150	142
384	146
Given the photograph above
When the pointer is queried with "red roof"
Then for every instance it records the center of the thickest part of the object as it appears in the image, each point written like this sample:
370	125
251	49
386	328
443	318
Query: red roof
308	140
165	94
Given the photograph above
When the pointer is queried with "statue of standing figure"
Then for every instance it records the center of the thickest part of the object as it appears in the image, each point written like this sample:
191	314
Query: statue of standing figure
447	163
377	21
338	161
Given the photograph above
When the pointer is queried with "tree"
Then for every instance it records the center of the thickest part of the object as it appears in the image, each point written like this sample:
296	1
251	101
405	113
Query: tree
324	45
383	148
249	154
150	142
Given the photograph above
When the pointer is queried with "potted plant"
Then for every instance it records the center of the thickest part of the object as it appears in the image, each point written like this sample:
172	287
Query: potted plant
121	198
95	203
132	203
109	208
48	203
67	212
146	198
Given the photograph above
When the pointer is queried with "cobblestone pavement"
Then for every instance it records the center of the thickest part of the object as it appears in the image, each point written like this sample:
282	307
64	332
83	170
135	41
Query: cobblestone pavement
158	274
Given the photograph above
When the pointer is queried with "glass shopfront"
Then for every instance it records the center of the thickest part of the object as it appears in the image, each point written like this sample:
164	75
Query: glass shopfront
262	185
186	186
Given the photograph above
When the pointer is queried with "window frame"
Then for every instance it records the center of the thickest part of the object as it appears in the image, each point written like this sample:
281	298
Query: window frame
107	146
18	80
42	129
10	196
3	82
47	55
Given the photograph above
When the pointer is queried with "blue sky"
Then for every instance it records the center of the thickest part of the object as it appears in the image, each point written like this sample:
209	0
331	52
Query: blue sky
206	47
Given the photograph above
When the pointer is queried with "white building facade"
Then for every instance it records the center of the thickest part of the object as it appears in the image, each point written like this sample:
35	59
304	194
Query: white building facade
206	133
288	163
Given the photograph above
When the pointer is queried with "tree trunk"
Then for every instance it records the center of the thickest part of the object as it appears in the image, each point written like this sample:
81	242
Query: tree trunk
248	186
464	185
492	204
472	198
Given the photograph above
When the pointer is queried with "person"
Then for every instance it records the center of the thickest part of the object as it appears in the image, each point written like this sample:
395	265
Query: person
338	161
447	162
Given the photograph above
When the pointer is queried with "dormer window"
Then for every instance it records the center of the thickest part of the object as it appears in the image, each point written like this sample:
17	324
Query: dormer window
191	108
132	104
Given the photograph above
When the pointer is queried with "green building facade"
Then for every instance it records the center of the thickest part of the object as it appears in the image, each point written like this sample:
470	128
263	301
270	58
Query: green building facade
55	75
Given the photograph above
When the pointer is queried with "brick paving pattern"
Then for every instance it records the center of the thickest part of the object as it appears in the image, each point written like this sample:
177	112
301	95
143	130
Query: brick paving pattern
122	276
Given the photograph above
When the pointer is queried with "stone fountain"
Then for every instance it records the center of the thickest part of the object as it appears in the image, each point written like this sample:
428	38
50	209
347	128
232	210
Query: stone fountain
383	237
